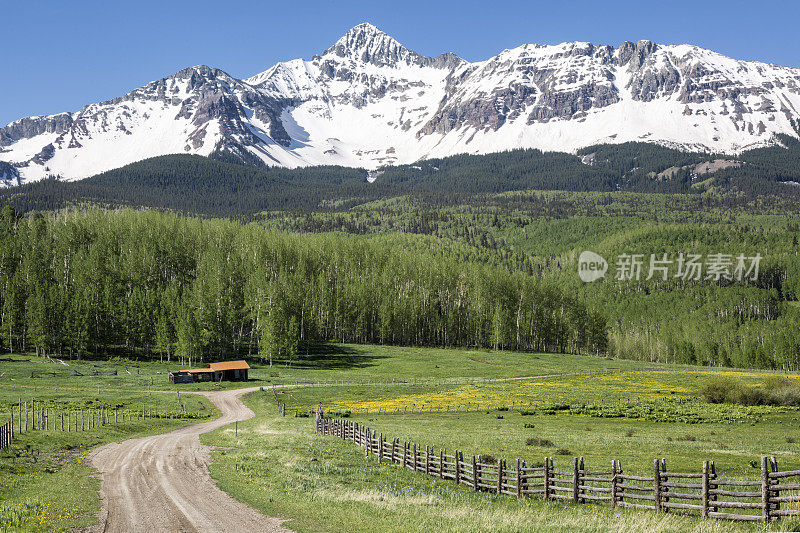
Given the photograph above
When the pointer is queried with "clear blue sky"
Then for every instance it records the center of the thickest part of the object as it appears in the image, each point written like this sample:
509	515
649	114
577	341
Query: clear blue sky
57	56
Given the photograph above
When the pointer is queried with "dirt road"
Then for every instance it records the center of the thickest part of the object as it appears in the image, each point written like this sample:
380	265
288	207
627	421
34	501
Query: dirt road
161	483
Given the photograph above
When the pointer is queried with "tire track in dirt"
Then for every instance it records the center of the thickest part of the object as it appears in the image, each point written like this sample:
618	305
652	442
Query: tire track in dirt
161	483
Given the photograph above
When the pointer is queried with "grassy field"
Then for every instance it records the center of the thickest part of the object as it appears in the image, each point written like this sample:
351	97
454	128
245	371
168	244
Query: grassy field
635	416
319	362
279	466
520	405
635	412
45	483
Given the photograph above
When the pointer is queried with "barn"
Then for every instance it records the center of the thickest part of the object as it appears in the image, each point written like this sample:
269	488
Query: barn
230	370
222	371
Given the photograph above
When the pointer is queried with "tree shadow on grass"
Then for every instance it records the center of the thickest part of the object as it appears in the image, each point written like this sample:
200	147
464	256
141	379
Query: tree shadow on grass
326	356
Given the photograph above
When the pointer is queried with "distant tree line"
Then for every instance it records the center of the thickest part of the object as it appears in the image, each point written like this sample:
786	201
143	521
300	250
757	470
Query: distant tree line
200	185
98	283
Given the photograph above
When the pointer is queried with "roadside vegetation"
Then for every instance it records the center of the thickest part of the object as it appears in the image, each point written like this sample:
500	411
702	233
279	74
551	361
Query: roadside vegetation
281	467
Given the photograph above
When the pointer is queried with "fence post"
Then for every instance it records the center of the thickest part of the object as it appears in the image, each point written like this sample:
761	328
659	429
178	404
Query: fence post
475	473
704	494
712	484
774	466
764	490
546	478
519	479
458	468
656	486
613	483
500	464
575	480
428	460
441	464
664	490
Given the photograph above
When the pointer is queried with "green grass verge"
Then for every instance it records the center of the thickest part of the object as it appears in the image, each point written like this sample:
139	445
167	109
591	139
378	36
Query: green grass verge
282	468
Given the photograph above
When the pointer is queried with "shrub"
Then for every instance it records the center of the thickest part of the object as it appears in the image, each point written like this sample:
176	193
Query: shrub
529	426
776	390
687	437
500	417
721	389
629	433
488	459
527	413
563	451
536	441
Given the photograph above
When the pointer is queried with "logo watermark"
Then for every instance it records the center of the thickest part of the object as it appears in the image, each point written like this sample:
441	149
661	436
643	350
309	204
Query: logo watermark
591	266
684	266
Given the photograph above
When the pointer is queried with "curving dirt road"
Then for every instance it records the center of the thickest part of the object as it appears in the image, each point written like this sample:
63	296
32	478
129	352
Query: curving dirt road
161	483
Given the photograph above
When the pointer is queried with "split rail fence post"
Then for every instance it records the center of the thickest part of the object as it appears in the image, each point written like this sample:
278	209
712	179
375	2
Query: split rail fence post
664	490
614	483
764	490
500	464
546	478
656	485
704	490
776	506
575	481
519	479
475	473
427	460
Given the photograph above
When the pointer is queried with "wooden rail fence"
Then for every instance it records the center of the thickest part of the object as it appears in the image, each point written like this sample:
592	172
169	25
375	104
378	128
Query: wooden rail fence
34	415
774	495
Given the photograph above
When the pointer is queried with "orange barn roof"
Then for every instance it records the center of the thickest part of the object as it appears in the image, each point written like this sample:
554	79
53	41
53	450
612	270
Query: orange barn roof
230	365
198	370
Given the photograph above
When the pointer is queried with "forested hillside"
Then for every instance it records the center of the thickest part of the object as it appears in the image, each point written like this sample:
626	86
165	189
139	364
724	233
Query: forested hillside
199	185
476	257
146	283
708	322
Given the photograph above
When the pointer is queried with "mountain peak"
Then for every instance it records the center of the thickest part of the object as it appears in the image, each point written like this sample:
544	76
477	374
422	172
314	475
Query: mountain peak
369	44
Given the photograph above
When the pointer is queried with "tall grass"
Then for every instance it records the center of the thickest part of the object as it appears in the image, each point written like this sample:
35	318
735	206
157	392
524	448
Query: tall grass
775	390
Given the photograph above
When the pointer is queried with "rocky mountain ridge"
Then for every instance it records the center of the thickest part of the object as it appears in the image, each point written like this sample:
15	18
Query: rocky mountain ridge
368	101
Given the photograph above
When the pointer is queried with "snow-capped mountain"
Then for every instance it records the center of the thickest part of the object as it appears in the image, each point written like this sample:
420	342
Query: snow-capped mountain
369	101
